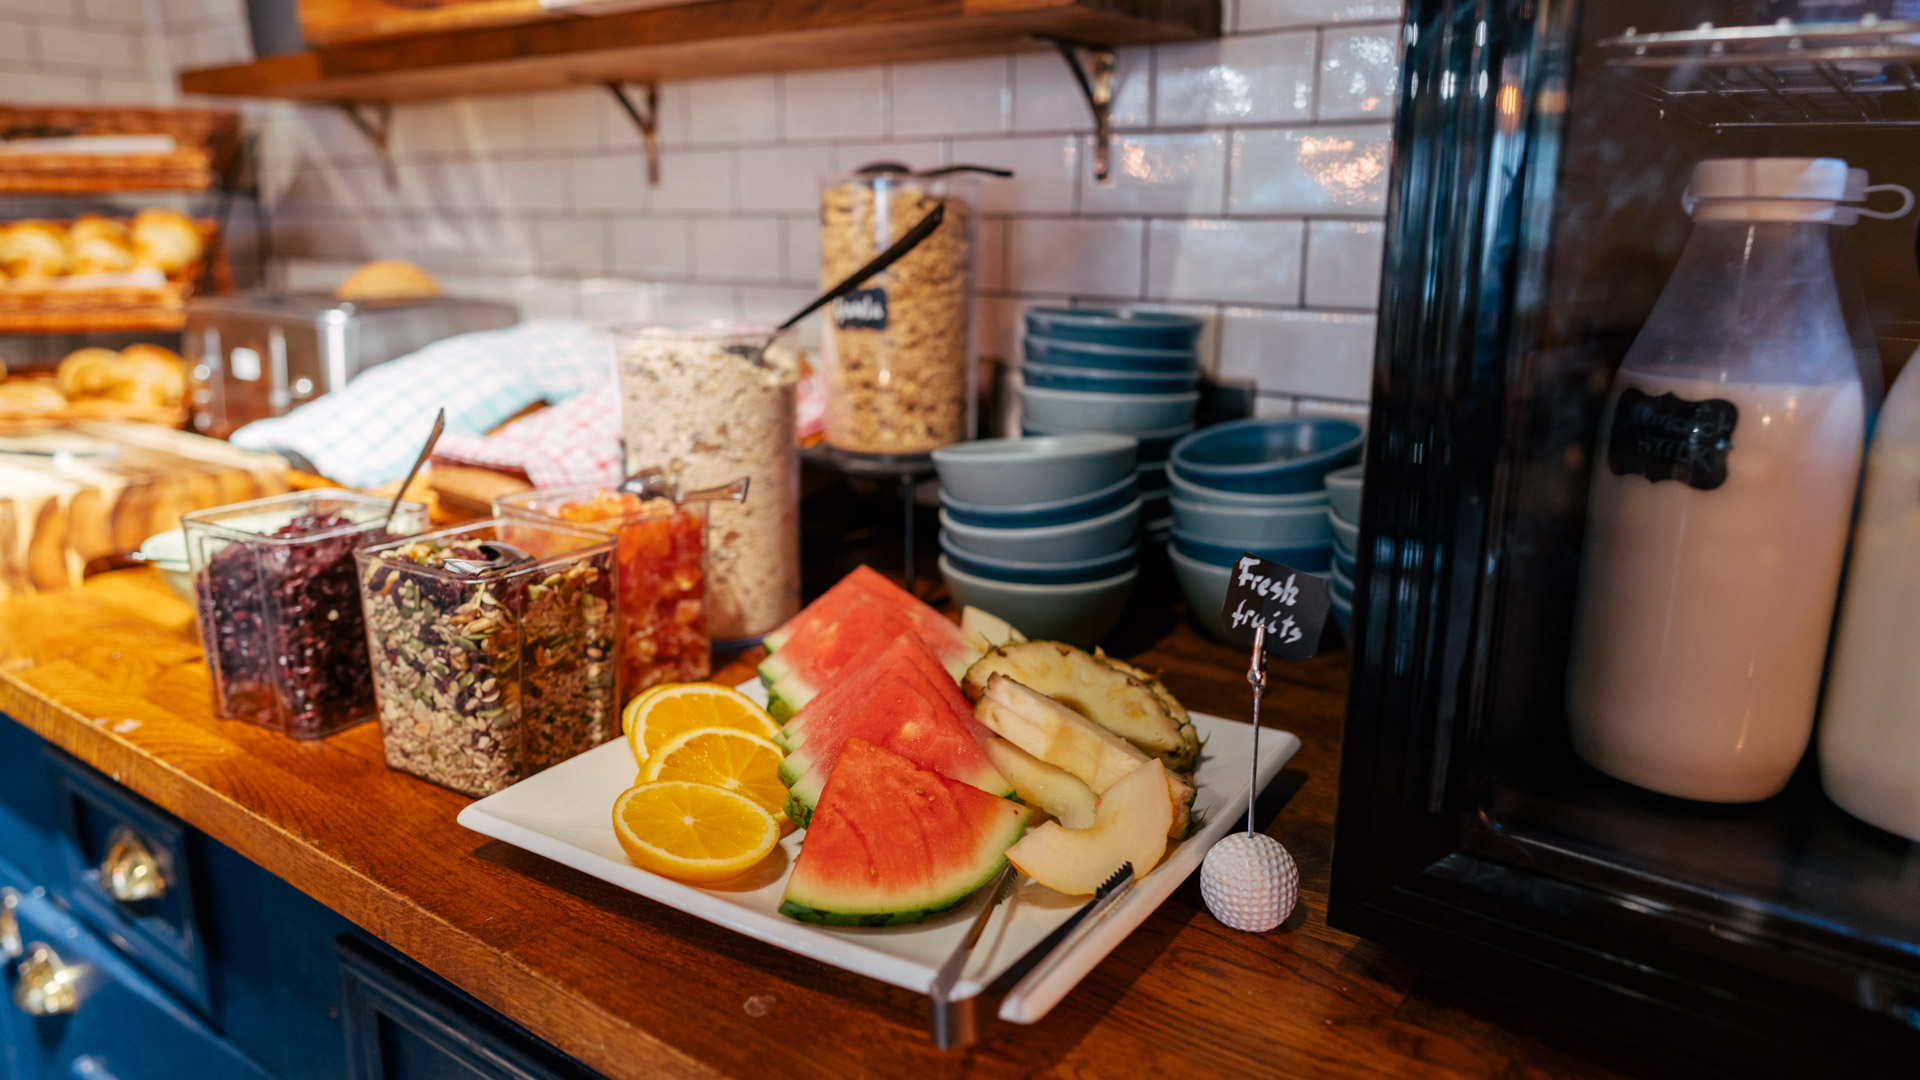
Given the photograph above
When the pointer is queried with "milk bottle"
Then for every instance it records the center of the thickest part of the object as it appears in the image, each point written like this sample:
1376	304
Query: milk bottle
1723	483
1870	727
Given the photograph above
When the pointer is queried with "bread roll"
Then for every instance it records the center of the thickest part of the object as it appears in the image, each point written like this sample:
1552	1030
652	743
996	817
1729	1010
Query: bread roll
88	373
97	245
33	249
388	279
143	375
91	226
29	397
166	240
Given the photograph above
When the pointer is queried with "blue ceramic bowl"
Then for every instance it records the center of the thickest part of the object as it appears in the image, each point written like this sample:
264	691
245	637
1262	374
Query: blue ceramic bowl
1199	493
1316	558
1270	456
1039	572
1253	524
1085	410
1343	562
1055	512
1339	586
1006	472
1205	587
1086	354
1154	445
1113	326
1051	377
1346	535
1069	542
1076	614
1343	491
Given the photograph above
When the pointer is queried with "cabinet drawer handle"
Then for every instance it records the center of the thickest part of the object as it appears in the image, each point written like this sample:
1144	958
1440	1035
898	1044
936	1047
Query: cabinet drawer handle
10	948
46	986
131	871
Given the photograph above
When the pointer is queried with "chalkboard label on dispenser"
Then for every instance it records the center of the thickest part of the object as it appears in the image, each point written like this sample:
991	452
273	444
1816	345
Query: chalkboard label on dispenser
1291	604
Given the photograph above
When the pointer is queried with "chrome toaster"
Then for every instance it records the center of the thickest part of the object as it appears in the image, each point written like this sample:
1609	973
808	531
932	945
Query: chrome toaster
264	354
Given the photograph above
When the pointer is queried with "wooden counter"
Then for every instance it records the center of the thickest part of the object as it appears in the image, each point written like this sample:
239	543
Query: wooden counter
113	674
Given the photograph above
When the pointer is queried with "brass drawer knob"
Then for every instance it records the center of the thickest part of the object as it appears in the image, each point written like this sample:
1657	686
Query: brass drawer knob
10	947
46	986
131	871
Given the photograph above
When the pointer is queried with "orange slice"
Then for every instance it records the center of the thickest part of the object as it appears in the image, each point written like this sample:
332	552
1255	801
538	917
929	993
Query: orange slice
665	711
724	758
692	832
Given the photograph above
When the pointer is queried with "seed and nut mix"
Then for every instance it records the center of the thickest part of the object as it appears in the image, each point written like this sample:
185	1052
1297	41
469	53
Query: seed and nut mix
484	681
901	389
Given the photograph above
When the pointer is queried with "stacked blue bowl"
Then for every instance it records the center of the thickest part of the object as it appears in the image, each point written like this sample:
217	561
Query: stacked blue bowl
1124	372
1343	517
1254	486
1044	531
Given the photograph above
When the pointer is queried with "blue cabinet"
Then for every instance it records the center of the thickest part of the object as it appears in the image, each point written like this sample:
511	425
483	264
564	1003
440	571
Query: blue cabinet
225	973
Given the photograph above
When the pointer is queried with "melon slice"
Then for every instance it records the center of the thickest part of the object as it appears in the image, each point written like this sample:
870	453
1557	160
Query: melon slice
1056	791
794	734
1131	824
1113	699
871	612
898	708
811	618
1056	734
946	640
893	843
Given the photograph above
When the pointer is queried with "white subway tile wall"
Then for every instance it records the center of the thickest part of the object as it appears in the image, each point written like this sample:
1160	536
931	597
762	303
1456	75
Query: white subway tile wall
1248	180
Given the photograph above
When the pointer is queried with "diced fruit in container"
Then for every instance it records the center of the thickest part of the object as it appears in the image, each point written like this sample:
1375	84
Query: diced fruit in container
692	832
724	758
665	711
1039	784
896	705
1116	701
1056	734
985	630
893	843
1184	759
1130	825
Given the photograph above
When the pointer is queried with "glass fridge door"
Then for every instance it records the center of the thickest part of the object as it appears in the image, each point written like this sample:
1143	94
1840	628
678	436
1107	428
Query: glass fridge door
1599	720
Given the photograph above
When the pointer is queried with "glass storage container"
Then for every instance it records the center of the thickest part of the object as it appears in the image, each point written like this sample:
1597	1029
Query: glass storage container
279	613
899	358
488	670
709	397
661	550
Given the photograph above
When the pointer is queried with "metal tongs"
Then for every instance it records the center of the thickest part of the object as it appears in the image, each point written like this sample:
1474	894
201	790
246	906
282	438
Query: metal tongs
658	483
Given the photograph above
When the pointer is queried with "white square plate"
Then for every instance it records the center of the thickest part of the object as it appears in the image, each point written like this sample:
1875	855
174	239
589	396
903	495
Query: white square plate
565	814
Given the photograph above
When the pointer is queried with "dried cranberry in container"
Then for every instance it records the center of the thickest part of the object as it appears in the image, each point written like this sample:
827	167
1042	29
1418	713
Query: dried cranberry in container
492	661
279	608
662	552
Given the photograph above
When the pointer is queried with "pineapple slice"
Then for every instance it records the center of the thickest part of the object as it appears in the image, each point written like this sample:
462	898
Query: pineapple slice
1054	790
1131	823
1184	759
1109	697
985	631
1056	734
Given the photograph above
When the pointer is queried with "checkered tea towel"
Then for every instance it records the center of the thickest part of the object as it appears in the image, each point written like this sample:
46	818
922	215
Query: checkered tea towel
574	442
368	433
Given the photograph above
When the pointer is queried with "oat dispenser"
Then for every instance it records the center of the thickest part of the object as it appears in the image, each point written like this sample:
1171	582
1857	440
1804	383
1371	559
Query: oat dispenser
898	351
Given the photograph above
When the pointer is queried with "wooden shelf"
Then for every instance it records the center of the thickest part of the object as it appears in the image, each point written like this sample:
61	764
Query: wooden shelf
720	37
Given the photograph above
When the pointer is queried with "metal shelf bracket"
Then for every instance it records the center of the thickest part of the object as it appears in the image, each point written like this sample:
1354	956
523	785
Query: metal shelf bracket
378	129
647	121
1094	73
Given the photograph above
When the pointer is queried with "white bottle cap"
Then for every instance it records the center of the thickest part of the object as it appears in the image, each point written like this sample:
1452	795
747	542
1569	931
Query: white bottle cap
1767	189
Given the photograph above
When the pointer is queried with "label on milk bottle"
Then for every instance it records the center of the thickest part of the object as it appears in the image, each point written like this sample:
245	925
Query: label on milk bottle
1671	438
861	309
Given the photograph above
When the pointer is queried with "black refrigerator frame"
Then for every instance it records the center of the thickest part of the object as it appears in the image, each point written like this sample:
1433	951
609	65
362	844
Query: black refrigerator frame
1418	862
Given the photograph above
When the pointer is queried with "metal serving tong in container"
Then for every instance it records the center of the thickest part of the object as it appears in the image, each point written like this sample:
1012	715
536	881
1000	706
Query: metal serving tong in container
956	1023
658	483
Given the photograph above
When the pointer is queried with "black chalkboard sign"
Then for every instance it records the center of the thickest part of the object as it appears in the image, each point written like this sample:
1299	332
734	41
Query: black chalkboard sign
861	309
1291	603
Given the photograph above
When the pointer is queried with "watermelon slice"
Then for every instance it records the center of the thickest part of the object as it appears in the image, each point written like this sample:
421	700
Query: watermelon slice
893	843
848	625
914	651
896	706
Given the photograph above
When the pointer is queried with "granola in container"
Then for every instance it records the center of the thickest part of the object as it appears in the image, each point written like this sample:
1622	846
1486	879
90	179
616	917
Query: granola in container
897	350
489	663
279	609
661	552
708	398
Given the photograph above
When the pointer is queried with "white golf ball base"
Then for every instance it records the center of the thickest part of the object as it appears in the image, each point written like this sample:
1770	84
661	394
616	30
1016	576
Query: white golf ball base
1250	882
